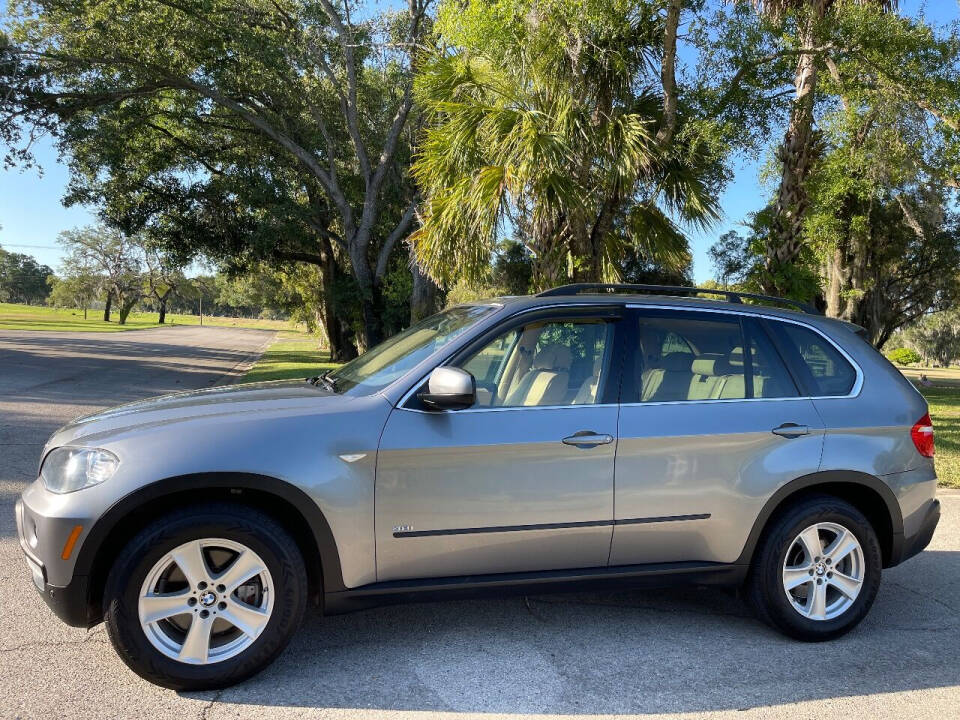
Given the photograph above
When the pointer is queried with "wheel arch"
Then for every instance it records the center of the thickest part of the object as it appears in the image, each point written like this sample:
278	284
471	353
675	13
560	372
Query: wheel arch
867	493
287	504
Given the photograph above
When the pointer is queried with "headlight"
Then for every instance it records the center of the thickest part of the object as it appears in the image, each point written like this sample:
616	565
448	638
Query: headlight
67	469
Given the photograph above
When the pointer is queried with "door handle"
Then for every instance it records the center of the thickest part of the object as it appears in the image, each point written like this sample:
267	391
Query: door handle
587	438
791	430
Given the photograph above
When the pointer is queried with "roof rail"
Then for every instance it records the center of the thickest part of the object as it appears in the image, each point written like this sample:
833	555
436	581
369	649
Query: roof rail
732	296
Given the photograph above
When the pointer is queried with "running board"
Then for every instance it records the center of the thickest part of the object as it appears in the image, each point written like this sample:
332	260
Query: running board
527	583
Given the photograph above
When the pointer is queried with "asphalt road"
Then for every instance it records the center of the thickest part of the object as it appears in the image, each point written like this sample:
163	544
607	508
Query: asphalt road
694	652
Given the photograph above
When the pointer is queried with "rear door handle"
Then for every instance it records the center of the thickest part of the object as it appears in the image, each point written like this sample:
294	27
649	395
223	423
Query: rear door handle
588	438
791	430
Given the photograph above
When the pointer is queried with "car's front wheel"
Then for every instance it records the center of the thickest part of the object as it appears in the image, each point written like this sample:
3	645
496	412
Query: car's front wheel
206	597
817	570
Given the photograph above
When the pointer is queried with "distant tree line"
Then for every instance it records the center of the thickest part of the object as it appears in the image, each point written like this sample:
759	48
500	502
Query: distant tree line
104	270
23	279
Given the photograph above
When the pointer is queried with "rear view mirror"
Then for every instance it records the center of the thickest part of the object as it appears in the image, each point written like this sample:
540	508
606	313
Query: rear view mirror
449	388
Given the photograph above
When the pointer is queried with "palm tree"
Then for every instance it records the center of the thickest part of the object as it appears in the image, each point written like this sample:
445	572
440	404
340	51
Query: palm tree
542	127
784	243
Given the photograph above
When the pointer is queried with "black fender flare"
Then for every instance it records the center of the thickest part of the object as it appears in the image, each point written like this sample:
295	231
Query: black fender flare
310	512
828	477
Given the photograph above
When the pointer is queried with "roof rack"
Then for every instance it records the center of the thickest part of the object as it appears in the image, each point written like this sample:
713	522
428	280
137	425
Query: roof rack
732	296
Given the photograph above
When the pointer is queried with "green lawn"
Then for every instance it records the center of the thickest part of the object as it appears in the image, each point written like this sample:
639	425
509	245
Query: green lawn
944	399
292	355
29	317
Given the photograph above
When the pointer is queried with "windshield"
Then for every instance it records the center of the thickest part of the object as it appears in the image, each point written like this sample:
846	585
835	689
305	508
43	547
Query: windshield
379	367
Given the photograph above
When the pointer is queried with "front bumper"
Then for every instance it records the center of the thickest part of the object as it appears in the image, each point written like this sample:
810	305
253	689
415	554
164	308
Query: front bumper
69	601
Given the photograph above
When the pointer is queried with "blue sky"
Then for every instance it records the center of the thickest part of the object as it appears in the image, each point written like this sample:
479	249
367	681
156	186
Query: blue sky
31	214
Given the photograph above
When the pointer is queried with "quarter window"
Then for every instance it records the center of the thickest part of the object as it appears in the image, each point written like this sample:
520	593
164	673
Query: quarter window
827	371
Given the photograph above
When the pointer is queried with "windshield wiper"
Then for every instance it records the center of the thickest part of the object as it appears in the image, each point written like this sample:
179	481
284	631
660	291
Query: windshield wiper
328	382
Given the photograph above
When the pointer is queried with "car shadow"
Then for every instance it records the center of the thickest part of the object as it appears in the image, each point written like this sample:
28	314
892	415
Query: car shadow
679	650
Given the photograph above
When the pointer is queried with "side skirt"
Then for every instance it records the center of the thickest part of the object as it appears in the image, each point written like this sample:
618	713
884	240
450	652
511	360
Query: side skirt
534	583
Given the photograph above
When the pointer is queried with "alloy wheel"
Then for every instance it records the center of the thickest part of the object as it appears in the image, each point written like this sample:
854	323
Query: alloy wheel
206	601
823	571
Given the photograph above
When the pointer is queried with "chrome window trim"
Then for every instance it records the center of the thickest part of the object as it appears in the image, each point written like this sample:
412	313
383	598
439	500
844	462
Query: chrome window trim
854	391
508	409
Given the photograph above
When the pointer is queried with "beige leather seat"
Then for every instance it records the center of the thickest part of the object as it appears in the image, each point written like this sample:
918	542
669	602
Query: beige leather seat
764	383
669	380
545	383
587	394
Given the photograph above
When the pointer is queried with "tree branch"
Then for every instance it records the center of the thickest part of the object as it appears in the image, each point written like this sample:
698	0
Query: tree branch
398	232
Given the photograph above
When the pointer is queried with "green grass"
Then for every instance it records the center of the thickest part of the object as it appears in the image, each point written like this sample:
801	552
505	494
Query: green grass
944	400
29	317
293	355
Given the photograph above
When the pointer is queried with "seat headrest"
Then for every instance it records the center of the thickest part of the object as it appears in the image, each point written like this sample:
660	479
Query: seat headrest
712	365
552	357
735	357
676	362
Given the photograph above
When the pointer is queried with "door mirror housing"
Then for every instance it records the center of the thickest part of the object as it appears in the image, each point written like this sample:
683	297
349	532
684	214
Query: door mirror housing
449	388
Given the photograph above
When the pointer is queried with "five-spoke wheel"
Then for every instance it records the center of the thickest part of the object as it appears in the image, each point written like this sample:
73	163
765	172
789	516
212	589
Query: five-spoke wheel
816	570
823	571
206	601
205	597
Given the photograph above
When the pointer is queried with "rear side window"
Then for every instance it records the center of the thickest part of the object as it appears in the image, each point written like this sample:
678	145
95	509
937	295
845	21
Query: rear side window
689	357
827	372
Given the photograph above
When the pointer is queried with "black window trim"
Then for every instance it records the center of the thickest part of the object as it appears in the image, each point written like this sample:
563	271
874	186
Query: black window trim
761	327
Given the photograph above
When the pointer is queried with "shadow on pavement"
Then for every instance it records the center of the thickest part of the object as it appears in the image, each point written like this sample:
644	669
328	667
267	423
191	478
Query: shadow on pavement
691	650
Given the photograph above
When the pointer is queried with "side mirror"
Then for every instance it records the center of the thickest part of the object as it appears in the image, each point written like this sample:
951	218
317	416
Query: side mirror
449	388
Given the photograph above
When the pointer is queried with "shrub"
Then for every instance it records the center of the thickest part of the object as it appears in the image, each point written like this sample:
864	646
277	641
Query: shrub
903	356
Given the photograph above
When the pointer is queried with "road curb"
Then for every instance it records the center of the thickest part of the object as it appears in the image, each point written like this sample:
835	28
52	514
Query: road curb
243	367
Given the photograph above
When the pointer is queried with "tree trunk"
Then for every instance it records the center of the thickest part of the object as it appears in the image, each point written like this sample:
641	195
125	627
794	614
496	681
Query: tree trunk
338	341
163	311
424	295
125	307
785	240
369	294
107	305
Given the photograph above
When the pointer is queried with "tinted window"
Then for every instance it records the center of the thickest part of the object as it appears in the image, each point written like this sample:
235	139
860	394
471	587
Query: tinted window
544	363
689	357
771	379
829	372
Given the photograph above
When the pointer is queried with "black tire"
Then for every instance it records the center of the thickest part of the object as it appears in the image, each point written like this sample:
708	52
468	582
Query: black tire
765	589
237	523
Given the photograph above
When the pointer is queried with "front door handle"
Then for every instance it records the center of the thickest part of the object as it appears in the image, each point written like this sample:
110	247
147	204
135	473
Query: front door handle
588	438
791	430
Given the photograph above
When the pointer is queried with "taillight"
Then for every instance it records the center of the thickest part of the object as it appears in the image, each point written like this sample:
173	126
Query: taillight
922	434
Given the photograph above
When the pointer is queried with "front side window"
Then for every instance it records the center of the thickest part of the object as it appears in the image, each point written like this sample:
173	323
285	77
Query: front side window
389	360
545	363
827	371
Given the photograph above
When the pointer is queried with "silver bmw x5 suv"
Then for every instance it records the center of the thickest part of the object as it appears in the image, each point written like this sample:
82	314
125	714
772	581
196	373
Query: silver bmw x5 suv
587	437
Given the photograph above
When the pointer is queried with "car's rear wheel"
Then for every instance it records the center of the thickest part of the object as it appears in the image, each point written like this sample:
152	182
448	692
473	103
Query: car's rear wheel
206	597
817	570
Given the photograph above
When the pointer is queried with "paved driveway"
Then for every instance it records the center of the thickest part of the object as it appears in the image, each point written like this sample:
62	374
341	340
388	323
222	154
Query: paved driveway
689	652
